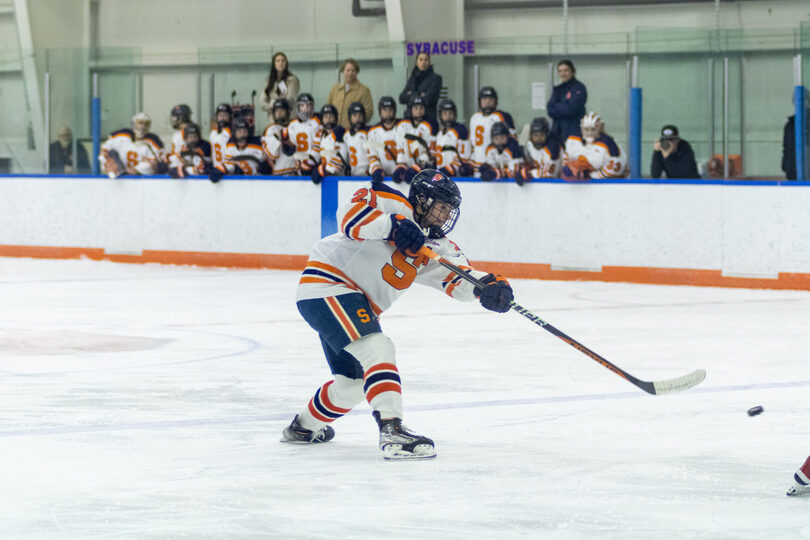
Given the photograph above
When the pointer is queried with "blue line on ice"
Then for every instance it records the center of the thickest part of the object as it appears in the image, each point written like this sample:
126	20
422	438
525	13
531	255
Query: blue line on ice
61	430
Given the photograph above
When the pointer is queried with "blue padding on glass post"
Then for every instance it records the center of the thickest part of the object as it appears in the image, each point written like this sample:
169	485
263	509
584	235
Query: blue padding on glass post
329	205
635	133
95	120
800	119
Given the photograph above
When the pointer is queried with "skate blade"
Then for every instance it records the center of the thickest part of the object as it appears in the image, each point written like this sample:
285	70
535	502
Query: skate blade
394	452
793	492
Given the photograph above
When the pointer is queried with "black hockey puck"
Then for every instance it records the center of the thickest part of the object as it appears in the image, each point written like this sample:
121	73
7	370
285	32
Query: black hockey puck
753	411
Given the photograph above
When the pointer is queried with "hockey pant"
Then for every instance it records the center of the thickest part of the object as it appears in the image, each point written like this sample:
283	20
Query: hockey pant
361	358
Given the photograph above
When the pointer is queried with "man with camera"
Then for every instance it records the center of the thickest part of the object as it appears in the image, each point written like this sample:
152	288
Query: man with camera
673	156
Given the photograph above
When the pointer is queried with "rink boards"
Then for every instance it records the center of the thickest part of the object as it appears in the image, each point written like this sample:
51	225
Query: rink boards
736	234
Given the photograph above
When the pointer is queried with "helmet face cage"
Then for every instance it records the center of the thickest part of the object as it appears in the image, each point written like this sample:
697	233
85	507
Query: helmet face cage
387	103
452	113
180	114
305	107
283	105
428	188
331	111
141	124
418	101
487	92
592	126
354	110
191	134
240	124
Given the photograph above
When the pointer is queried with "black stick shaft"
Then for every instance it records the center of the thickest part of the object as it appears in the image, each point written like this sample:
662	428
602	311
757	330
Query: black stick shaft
644	385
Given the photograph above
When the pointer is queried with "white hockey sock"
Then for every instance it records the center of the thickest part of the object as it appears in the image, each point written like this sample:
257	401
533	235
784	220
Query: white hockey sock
381	384
331	401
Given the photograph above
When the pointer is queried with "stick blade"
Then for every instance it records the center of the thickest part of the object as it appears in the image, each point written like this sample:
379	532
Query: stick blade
679	384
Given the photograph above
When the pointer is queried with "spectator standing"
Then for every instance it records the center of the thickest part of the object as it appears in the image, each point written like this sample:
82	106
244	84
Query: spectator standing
567	104
347	92
61	160
673	156
281	84
423	82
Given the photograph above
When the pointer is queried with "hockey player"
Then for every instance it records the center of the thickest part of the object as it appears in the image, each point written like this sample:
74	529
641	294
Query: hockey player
594	155
334	157
193	157
357	140
277	148
504	156
416	142
179	117
354	275
304	132
801	481
243	155
382	140
481	124
543	154
134	151
452	151
220	136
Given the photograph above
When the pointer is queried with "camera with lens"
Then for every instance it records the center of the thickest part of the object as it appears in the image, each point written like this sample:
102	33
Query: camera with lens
665	144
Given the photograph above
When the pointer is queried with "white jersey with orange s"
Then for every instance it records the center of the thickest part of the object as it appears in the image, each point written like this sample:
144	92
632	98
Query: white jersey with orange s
480	138
359	259
382	148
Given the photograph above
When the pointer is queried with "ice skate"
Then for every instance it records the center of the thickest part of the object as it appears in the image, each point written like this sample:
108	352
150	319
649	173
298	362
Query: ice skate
297	434
798	488
398	443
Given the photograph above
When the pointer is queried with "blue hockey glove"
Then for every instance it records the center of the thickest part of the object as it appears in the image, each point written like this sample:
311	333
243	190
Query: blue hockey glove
409	174
406	234
215	175
377	176
399	175
488	172
496	294
466	169
316	176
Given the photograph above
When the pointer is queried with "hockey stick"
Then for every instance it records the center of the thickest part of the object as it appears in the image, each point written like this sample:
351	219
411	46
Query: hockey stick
665	386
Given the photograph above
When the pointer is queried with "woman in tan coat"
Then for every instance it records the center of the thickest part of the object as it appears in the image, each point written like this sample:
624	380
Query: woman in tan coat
347	92
280	84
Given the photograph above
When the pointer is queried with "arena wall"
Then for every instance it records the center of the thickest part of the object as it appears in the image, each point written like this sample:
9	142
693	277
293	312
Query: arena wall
738	234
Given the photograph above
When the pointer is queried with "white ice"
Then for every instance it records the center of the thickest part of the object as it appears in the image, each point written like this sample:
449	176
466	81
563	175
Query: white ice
147	402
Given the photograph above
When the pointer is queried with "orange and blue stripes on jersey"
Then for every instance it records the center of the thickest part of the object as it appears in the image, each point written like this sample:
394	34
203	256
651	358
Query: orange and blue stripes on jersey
318	272
322	407
381	378
355	219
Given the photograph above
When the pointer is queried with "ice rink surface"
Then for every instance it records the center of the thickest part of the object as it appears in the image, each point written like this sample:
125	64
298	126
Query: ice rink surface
147	401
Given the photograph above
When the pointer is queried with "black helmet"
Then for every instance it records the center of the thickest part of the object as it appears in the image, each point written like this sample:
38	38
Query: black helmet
189	129
329	109
539	125
499	128
487	91
281	103
430	186
222	107
387	101
180	114
305	100
357	107
448	105
240	123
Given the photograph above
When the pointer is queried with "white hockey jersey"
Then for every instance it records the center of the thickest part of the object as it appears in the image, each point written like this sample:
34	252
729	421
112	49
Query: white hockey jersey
219	141
139	155
480	126
334	152
452	148
382	146
186	162
506	161
604	158
416	143
306	136
359	259
281	163
248	158
544	162
357	144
